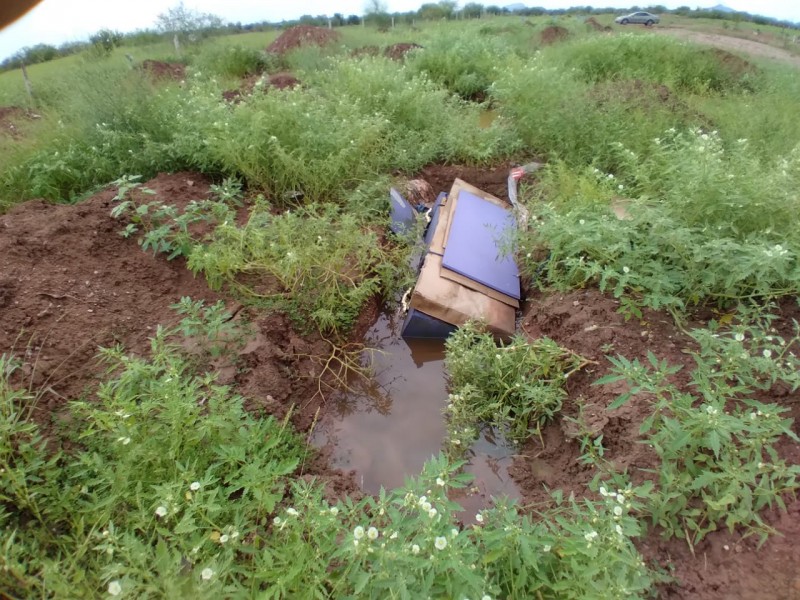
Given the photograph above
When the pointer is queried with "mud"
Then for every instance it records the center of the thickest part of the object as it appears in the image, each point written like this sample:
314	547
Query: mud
158	70
303	35
492	179
279	81
70	284
723	565
399	51
553	35
732	44
10	119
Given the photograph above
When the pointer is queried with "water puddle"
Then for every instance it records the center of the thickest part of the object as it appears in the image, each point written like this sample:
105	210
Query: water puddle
486	118
386	429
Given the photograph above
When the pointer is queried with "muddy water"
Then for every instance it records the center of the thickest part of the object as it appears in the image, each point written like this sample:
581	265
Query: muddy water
486	118
387	428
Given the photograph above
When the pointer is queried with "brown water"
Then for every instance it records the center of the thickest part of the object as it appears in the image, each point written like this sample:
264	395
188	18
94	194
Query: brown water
387	428
486	118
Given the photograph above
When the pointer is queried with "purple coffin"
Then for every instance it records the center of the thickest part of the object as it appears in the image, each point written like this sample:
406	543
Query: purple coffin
471	249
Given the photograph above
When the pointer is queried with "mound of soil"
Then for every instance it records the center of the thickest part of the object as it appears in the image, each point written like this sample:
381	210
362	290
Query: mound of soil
303	35
553	34
159	70
593	24
735	65
69	284
490	179
365	51
723	565
10	116
399	51
280	81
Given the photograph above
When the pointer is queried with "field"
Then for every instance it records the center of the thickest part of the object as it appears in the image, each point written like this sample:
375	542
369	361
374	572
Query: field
195	260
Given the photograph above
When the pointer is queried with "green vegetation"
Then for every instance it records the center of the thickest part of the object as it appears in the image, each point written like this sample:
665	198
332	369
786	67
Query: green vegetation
657	190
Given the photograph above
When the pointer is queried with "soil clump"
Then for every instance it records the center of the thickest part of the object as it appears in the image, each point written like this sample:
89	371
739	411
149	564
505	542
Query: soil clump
303	35
159	70
553	34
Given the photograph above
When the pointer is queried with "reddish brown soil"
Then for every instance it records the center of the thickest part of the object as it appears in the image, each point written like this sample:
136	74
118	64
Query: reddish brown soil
553	34
302	35
69	284
592	23
159	70
399	51
490	179
280	81
588	323
10	117
735	65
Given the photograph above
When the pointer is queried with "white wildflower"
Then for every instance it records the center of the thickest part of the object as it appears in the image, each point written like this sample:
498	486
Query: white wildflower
626	270
618	510
479	518
114	588
432	512
334	511
546	548
206	574
291	511
739	337
223	538
590	536
767	353
414	549
161	511
440	543
372	533
195	486
358	532
440	482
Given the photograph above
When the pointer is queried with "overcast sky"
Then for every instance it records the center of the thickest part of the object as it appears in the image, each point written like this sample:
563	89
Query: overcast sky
57	21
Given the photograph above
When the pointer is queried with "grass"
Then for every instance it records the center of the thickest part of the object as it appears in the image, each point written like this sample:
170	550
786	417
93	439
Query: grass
162	495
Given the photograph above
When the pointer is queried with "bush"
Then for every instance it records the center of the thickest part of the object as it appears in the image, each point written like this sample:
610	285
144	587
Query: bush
230	61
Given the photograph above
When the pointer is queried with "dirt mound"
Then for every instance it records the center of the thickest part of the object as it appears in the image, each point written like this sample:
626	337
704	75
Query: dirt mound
553	34
280	81
10	116
735	65
490	179
365	51
398	51
283	81
70	283
302	35
592	23
159	70
587	322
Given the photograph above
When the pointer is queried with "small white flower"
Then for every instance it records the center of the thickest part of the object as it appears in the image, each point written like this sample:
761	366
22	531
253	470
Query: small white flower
590	536
767	353
620	498
479	518
618	510
414	549
426	506
161	511
291	511
206	574
626	270
497	357
739	337
223	538
582	222
124	440
276	520
486	597
546	548
372	533
114	588
393	536
618	529
603	492
422	500
358	532
440	482
440	543
620	187
195	486
334	511
454	532
432	512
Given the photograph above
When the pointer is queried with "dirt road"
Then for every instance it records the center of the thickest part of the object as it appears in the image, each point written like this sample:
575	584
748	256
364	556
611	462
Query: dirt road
733	44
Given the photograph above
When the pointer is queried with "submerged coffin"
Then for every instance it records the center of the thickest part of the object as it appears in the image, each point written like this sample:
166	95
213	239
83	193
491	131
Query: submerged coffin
466	273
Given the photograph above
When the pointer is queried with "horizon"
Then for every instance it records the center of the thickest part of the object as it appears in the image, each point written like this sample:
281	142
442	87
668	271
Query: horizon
55	22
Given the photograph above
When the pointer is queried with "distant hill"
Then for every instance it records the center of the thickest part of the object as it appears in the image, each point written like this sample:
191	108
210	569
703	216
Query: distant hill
516	6
722	8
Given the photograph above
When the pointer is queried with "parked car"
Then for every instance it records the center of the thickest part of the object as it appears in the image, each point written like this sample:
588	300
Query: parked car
645	18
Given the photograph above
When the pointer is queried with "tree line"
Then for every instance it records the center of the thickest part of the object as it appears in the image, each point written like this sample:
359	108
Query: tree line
191	25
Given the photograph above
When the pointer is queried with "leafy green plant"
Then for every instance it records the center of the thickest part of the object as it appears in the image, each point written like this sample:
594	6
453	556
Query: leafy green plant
317	263
518	385
230	60
716	446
